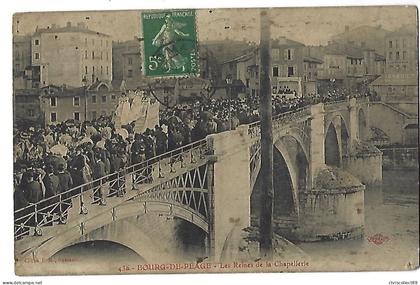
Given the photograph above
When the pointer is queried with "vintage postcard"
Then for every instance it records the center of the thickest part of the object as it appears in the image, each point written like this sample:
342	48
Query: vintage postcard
216	140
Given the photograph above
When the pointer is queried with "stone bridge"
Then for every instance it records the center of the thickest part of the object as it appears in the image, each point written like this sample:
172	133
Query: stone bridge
321	167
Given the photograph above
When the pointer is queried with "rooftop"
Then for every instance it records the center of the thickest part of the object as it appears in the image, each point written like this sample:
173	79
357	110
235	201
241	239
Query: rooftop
387	81
80	28
283	41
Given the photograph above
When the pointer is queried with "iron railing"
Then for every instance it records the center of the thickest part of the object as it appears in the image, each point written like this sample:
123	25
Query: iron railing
399	158
56	208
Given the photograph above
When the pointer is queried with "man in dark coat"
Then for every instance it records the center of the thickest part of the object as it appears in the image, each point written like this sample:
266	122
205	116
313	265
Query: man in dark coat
65	184
98	174
161	141
19	215
33	190
33	194
51	182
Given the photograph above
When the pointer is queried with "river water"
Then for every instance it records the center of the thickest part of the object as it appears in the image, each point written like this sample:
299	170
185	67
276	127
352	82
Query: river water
391	212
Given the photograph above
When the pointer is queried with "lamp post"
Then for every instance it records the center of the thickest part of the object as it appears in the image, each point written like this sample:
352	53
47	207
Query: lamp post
228	93
266	216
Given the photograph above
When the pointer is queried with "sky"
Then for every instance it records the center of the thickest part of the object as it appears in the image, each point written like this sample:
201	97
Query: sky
311	26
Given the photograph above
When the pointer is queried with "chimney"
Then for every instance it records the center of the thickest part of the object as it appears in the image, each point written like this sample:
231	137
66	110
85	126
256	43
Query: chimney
346	29
68	25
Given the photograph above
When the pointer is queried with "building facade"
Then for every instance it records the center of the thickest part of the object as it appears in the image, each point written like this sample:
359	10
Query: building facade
127	62
26	106
310	75
400	80
72	55
59	104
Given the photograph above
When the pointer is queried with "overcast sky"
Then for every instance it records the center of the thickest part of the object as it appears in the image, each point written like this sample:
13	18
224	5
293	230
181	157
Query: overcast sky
311	26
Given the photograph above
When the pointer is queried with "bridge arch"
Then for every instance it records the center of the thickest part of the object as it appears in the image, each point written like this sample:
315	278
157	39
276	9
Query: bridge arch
362	125
291	170
123	231
332	146
88	229
345	139
80	248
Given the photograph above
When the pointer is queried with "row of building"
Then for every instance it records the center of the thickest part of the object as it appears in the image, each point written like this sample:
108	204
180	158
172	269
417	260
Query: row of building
345	63
73	72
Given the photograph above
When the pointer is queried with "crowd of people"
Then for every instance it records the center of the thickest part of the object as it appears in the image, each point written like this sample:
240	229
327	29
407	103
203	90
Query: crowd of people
283	90
49	161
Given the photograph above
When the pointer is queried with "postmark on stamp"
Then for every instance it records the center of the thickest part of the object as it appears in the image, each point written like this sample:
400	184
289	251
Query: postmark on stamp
170	43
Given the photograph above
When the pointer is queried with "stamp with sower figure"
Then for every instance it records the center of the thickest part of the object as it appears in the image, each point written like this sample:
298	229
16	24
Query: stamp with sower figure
170	43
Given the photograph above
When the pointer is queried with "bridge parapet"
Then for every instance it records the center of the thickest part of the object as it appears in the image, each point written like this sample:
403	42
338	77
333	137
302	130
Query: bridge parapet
280	121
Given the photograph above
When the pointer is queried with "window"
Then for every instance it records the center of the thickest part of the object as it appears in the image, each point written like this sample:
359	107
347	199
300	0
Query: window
103	98
101	54
390	44
37	42
290	71
107	71
93	115
94	99
396	44
130	73
93	55
93	69
102	70
53	117
85	54
289	54
85	41
86	69
76	116
76	101
390	55
130	61
55	37
53	101
113	97
404	55
404	44
37	55
397	55
275	71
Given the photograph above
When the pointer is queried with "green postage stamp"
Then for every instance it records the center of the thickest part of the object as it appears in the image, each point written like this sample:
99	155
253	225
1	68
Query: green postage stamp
170	43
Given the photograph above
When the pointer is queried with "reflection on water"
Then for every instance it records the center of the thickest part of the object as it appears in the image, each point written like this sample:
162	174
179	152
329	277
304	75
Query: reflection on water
391	211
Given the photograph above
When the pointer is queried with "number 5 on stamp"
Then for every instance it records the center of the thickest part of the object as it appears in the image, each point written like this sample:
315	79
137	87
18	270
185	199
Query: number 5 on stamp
170	43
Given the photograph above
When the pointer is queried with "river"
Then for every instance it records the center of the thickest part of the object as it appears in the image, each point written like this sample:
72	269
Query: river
390	213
